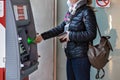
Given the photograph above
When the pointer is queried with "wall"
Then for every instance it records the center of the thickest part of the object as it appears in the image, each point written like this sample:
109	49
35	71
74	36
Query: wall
109	21
61	58
43	16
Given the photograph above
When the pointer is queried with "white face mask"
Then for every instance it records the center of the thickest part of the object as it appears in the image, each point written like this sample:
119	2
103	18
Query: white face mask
73	9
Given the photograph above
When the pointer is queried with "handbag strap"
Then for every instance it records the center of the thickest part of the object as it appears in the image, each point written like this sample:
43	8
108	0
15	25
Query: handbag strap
99	31
98	74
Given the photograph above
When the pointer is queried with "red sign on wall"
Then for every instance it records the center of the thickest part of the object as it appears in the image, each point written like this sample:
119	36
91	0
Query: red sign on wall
2	12
102	3
2	39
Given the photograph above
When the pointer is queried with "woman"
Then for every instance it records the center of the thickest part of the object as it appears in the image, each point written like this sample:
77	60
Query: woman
80	27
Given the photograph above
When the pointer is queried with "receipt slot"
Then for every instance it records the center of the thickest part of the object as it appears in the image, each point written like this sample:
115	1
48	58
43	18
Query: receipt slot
21	51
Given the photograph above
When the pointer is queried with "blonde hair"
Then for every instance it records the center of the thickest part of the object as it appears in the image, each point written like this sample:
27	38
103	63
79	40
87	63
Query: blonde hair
89	2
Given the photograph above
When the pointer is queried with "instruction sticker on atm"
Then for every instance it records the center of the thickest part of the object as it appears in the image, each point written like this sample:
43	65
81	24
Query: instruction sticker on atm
20	12
1	9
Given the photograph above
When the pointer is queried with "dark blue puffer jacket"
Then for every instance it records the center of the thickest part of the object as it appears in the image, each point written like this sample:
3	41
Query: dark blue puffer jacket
82	31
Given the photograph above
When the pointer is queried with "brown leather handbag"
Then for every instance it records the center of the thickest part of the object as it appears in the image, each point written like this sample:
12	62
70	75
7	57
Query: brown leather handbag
98	54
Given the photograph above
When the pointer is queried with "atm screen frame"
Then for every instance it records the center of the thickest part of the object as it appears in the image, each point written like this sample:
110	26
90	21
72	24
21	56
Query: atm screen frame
21	14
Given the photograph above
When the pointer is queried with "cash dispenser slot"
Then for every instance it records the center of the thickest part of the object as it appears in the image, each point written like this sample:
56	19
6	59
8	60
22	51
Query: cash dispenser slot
23	45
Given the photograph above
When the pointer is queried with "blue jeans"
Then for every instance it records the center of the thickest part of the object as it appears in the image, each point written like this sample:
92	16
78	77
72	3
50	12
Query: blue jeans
78	69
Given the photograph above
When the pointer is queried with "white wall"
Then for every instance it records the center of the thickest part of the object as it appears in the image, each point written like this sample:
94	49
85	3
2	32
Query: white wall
61	58
109	22
43	16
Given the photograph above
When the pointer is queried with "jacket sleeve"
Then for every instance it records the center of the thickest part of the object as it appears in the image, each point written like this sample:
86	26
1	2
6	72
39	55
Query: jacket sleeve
90	23
53	32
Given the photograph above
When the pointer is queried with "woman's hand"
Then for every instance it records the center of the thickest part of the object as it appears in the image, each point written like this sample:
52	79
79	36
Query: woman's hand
38	39
64	38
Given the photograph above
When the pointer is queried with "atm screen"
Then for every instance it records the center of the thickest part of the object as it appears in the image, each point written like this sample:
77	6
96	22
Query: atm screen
20	12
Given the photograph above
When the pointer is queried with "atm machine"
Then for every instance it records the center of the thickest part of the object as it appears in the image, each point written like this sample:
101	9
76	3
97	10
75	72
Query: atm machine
21	51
